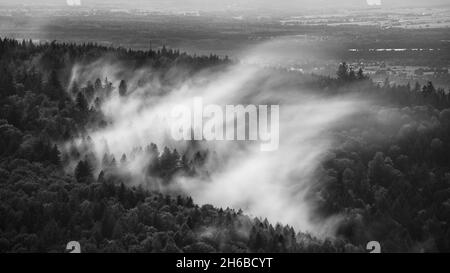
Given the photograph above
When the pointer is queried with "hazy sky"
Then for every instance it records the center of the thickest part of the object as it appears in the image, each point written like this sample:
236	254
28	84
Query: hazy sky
221	4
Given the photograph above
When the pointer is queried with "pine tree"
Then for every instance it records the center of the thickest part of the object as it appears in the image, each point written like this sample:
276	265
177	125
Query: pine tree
123	159
81	102
83	172
101	177
98	84
89	91
123	88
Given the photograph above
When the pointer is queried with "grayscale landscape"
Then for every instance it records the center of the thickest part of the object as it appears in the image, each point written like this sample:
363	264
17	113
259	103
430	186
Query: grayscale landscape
86	92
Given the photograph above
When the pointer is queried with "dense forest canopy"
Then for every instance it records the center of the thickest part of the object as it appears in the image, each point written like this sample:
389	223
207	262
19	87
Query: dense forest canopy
391	184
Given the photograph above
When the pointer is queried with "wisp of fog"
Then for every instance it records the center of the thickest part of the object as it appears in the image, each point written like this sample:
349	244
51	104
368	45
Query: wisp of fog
270	185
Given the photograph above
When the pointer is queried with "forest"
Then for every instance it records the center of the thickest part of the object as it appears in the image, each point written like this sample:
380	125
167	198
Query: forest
392	184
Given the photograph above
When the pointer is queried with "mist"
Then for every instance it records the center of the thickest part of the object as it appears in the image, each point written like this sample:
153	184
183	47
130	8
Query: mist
270	185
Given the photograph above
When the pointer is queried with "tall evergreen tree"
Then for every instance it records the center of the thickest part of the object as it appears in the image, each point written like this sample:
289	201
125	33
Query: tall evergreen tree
123	88
83	172
81	102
